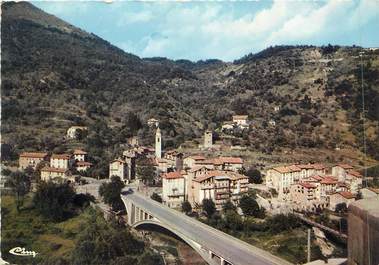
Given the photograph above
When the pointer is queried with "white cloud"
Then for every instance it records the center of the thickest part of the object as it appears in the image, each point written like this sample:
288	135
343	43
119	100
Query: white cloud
135	17
214	33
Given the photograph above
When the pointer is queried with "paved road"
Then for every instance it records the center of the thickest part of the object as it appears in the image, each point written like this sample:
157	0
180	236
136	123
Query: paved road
226	246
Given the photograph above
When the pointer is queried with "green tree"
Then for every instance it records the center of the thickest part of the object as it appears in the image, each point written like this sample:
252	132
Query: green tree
102	242
54	201
156	197
110	192
133	123
228	206
81	134
186	207
249	206
19	182
233	220
209	207
254	175
145	171
150	258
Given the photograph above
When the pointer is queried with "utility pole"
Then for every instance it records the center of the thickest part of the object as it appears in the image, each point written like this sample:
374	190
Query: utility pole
309	246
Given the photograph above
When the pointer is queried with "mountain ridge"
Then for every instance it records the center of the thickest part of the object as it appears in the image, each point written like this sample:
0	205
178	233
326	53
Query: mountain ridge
54	78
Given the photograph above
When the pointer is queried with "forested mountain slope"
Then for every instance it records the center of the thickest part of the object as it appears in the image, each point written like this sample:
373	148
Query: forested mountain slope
55	75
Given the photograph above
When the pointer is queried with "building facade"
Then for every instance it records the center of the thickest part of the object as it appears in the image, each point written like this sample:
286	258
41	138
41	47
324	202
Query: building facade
173	189
80	155
64	161
31	159
208	139
119	167
52	174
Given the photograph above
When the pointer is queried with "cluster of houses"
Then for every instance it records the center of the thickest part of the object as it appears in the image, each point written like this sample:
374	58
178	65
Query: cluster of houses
56	165
189	178
310	187
205	178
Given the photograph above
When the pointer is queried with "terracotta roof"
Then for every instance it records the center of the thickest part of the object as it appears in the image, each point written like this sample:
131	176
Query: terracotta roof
53	169
197	168
83	163
205	162
307	185
60	156
238	176
354	173
79	152
231	160
33	154
319	166
287	169
329	180
311	166
345	166
197	157
209	174
172	175
118	160
318	178
307	166
346	194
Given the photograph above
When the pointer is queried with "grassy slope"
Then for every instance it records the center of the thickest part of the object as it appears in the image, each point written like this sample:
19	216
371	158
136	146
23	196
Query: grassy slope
27	229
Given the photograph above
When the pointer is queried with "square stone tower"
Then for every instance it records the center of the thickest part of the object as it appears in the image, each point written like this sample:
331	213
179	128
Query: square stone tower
208	139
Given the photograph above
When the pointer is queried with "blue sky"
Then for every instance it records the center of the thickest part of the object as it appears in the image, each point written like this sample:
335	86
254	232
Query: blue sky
222	30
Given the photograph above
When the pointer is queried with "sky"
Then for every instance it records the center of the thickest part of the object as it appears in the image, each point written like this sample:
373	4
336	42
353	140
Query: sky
226	30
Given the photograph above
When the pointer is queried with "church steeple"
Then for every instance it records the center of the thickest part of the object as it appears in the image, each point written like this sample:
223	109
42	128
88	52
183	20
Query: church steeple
158	143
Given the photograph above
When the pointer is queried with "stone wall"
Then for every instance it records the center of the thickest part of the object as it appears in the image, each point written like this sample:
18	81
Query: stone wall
363	242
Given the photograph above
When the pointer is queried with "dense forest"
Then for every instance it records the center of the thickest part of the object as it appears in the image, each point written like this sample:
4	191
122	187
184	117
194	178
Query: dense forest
55	75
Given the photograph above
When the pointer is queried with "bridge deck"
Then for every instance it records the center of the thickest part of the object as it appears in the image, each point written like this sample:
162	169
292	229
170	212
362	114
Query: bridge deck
221	244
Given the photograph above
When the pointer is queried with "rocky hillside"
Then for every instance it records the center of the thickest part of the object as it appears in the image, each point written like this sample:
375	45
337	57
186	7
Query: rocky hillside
55	75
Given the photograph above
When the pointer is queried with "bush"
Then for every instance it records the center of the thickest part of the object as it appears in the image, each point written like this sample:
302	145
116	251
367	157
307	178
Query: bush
54	201
209	207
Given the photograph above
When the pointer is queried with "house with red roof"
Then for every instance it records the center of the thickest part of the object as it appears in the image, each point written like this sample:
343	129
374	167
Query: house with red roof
64	161
120	168
339	171
80	155
55	174
281	178
218	185
190	161
303	197
173	189
340	197
31	159
354	179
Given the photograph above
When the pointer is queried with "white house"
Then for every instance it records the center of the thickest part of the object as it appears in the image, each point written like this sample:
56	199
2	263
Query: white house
119	167
79	155
64	161
240	120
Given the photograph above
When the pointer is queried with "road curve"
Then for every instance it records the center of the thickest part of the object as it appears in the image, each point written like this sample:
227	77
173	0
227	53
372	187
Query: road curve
220	243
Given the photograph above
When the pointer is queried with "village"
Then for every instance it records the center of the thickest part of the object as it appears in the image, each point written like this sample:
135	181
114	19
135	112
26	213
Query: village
182	177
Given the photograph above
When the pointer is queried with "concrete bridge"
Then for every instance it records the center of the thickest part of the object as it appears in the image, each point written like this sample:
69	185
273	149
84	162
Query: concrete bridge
214	246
